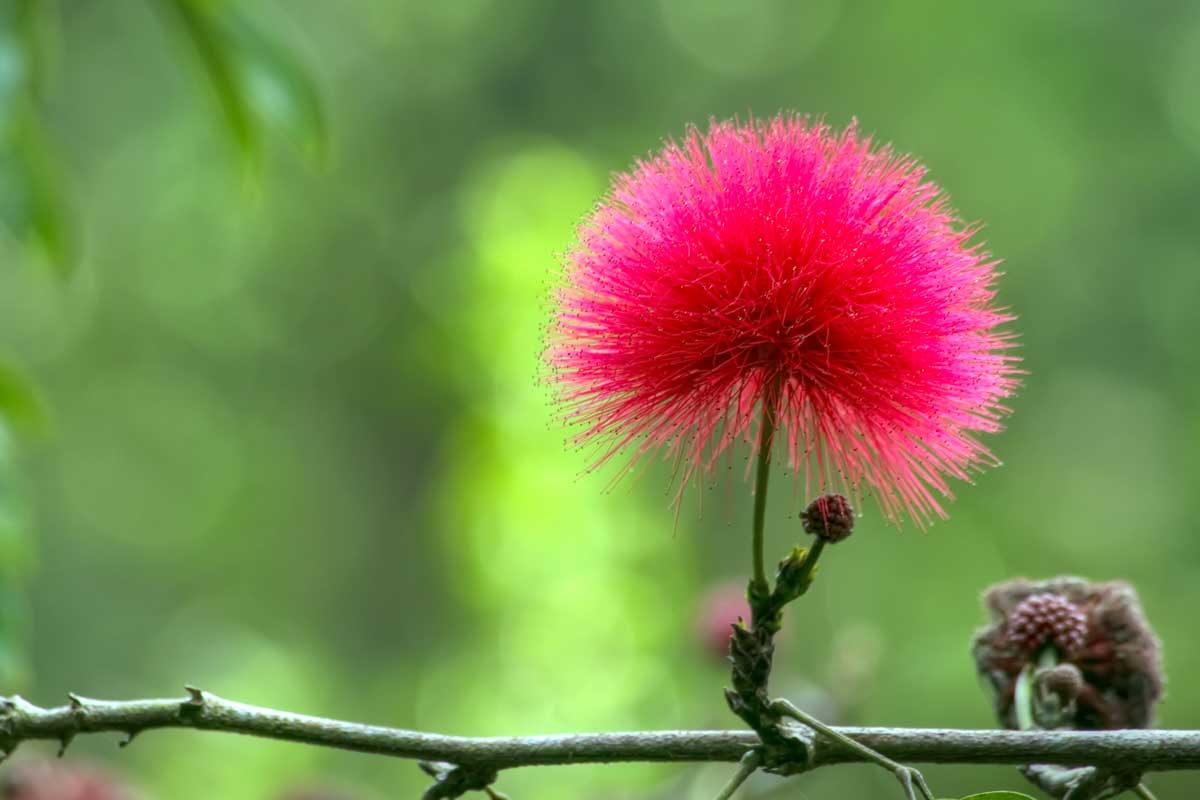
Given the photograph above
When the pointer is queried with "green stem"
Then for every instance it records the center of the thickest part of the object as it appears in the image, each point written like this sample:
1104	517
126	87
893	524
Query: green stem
746	767
912	780
1143	792
1023	698
766	438
811	557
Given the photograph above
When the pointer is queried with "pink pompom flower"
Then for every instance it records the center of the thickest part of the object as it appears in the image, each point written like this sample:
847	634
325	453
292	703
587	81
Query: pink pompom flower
782	265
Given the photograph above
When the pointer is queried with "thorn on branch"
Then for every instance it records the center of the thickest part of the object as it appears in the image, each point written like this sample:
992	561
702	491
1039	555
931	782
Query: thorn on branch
77	705
452	780
128	740
190	708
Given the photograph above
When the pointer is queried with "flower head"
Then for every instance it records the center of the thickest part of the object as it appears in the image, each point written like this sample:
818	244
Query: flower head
1099	628
782	263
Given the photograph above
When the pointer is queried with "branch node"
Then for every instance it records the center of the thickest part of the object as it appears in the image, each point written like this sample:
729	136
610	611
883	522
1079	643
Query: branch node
13	712
195	696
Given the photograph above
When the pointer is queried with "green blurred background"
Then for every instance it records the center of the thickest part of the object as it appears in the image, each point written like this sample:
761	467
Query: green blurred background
294	450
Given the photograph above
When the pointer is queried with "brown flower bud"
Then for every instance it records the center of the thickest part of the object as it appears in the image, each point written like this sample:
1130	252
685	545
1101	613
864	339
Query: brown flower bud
829	518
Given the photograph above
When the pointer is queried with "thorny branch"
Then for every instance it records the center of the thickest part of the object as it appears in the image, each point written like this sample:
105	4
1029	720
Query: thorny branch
464	763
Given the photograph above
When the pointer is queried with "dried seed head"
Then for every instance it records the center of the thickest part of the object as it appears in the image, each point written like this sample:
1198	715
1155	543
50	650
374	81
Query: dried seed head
829	518
1047	618
1118	658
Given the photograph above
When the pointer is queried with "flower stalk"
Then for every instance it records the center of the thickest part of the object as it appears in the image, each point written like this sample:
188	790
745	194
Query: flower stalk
762	477
752	650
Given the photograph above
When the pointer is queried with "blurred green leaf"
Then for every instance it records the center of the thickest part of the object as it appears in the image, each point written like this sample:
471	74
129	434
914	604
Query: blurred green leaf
15	559
14	69
13	622
28	37
279	88
200	23
20	404
32	204
998	796
257	81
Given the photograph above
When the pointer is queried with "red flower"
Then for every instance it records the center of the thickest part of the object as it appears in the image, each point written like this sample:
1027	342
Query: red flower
781	262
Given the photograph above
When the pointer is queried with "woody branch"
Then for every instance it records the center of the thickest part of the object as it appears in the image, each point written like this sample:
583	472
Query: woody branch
1144	750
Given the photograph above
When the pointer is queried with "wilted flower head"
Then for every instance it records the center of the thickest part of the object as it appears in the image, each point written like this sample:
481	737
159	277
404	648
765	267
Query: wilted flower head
782	263
1097	627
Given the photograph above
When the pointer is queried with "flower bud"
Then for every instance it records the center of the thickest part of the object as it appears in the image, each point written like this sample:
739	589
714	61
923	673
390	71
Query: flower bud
829	518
